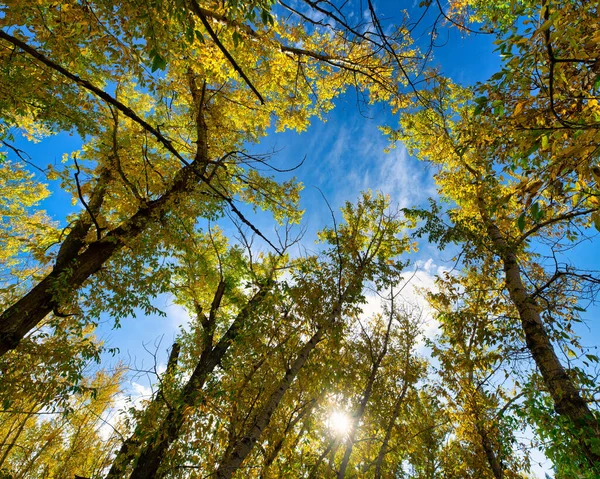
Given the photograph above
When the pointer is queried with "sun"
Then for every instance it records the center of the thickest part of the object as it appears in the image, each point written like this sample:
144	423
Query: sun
339	423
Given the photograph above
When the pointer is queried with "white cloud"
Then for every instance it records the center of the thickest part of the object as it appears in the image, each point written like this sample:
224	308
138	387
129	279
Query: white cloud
356	161
135	397
415	287
178	316
412	290
140	392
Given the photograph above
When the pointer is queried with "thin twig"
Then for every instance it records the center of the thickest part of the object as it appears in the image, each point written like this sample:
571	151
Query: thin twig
198	11
98	236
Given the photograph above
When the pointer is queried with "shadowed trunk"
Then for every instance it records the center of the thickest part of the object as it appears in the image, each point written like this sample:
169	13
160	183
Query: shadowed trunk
130	446
276	449
490	453
242	448
317	464
231	463
153	454
74	268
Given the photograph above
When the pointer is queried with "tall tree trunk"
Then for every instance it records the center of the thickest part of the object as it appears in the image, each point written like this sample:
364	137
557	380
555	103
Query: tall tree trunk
313	471
564	392
130	446
231	463
358	415
8	446
276	449
383	450
153	453
490	453
73	268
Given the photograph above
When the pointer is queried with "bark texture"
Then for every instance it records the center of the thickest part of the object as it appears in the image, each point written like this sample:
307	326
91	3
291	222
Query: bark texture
73	267
231	463
563	390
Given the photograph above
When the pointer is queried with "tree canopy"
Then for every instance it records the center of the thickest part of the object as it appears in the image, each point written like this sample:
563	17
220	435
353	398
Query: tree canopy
297	360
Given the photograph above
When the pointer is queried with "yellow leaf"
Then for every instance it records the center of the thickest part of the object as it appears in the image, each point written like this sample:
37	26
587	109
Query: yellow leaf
518	108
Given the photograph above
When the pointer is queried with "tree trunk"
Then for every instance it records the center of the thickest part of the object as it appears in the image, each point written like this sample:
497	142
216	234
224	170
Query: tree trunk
363	403
73	268
130	446
492	458
231	463
13	440
276	449
317	464
153	453
565	394
383	450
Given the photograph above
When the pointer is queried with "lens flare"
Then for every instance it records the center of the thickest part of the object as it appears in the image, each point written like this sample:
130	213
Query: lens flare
338	423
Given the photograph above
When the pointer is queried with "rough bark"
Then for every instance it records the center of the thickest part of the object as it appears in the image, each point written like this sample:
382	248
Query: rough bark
564	392
73	267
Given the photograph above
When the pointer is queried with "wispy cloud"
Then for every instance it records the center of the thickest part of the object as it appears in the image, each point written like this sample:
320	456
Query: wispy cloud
347	157
412	290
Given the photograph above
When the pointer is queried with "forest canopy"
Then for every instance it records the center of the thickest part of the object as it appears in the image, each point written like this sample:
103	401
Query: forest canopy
298	359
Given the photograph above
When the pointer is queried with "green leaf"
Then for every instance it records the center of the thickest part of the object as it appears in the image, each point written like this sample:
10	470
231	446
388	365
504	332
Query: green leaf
237	38
597	83
481	102
592	358
158	62
596	220
521	222
537	213
532	149
264	16
189	34
535	210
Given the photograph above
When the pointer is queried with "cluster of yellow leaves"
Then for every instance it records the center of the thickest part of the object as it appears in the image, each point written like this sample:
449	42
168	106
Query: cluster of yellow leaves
24	232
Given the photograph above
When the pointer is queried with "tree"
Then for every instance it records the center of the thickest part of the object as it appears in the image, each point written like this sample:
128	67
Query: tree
75	439
500	212
166	96
256	326
476	351
168	143
384	366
